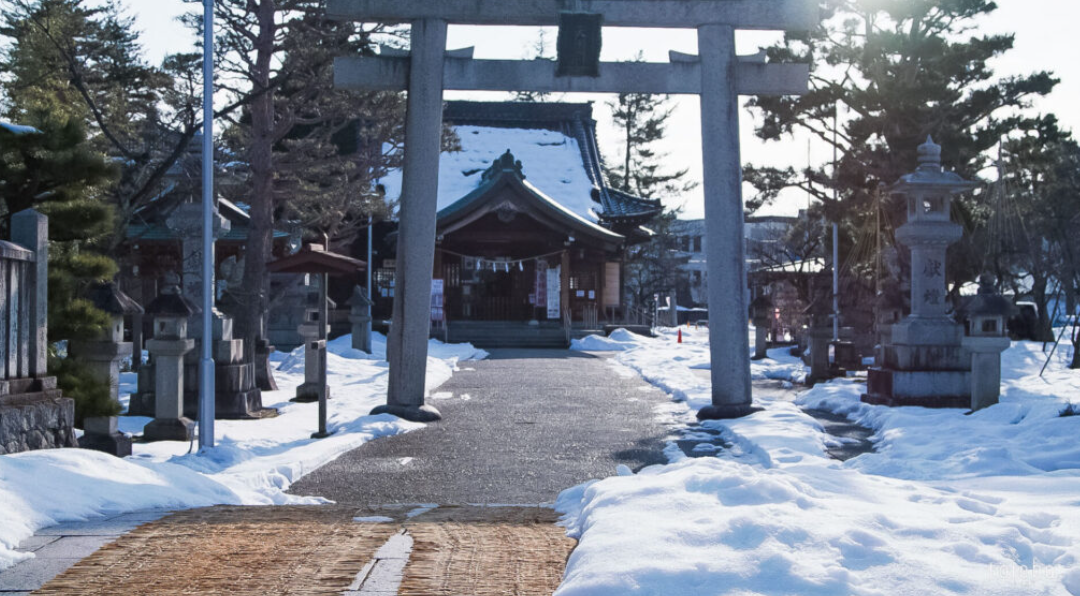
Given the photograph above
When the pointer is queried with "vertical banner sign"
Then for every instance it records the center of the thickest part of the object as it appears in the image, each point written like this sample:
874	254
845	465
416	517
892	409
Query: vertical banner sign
541	284
438	315
554	289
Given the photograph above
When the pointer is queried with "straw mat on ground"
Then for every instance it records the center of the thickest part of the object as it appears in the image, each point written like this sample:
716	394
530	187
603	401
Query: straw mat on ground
483	551
231	550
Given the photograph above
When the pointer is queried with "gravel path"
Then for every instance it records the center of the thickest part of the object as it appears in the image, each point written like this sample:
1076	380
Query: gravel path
519	428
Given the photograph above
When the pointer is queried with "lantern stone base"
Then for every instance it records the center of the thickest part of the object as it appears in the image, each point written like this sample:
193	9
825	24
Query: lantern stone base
925	364
928	389
235	395
308	393
264	373
169	429
101	434
726	412
424	413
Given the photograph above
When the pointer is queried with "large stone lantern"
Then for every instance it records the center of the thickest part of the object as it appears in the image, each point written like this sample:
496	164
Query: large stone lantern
924	361
987	316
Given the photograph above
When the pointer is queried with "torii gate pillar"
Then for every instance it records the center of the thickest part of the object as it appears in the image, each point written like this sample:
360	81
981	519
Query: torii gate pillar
718	76
407	343
724	243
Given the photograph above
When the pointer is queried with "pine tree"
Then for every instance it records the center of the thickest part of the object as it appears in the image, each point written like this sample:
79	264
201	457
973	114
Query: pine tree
85	63
642	119
54	170
885	74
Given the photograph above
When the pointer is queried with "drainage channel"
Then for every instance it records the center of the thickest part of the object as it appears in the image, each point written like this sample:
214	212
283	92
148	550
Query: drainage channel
849	439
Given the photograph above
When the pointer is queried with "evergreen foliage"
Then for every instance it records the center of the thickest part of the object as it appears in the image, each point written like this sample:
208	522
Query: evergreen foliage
92	397
55	172
83	61
885	74
642	118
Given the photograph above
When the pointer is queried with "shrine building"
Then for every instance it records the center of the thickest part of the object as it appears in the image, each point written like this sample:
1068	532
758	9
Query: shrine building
528	228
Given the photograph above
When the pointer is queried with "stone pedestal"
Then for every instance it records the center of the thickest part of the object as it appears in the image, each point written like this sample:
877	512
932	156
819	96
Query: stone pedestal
314	362
236	395
264	375
985	369
100	433
360	317
761	341
103	358
169	422
818	343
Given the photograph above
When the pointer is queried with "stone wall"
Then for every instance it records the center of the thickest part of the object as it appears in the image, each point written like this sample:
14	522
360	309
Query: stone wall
36	422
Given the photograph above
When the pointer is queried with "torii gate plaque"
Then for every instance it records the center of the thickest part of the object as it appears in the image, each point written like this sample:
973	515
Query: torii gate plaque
717	75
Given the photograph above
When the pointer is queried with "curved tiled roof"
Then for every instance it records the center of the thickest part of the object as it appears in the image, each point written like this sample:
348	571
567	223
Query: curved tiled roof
573	120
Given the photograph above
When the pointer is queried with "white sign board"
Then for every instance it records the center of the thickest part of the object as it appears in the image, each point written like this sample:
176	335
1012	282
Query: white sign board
554	289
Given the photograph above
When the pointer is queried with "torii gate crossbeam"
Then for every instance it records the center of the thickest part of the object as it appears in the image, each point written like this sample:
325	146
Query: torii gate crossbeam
717	75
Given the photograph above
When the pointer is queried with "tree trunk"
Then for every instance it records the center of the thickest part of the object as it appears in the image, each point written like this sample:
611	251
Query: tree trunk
1043	329
260	234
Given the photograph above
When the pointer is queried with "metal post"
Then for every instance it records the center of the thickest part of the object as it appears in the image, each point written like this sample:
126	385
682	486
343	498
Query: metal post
321	342
835	231
206	364
370	296
836	282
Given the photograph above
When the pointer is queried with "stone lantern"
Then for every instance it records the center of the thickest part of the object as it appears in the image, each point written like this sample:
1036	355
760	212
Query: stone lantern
103	357
761	313
170	311
987	316
924	363
819	335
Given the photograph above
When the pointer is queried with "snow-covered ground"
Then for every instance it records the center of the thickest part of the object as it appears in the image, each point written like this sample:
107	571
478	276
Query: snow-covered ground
253	462
949	503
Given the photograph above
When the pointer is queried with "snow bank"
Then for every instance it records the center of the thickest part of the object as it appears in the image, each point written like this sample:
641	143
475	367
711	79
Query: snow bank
949	504
252	463
619	341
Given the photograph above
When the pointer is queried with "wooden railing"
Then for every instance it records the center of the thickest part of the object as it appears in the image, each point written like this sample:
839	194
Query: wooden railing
23	275
590	317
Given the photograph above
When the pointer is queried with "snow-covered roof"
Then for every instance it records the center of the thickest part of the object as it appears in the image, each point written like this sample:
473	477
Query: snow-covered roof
552	163
17	129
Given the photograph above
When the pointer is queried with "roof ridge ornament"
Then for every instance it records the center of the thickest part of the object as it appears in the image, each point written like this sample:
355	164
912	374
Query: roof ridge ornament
504	163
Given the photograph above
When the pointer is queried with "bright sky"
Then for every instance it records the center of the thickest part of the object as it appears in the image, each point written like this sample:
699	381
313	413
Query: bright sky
1043	29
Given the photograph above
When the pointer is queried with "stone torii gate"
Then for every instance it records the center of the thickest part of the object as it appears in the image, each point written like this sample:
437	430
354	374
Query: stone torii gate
717	75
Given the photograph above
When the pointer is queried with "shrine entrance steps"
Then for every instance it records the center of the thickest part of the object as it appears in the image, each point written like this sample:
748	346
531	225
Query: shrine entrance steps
508	334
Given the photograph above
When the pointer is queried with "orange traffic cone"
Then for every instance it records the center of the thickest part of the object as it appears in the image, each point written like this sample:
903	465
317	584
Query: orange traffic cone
680	335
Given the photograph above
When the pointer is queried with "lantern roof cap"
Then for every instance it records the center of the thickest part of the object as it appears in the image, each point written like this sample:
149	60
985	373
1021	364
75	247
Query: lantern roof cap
109	298
171	301
930	176
988	302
